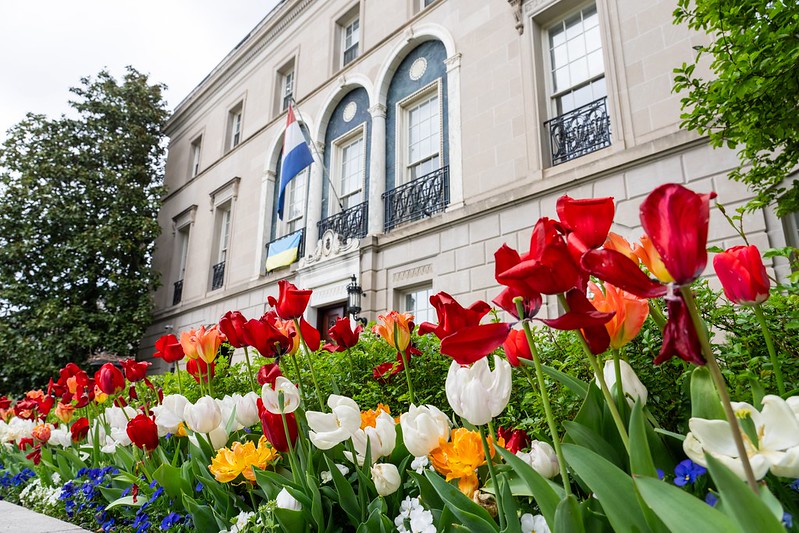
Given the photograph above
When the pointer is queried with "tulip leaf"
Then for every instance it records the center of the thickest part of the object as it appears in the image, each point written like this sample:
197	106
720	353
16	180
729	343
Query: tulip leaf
346	496
641	463
316	501
202	515
613	488
705	402
568	516
587	438
289	519
174	484
578	387
681	511
465	510
741	503
547	495
126	500
509	507
426	491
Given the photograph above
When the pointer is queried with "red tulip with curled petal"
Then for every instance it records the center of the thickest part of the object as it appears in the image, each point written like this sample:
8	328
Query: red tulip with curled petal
587	220
743	275
343	335
291	301
169	349
232	326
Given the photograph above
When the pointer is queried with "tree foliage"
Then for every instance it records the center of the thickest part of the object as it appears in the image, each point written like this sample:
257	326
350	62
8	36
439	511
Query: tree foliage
749	102
78	224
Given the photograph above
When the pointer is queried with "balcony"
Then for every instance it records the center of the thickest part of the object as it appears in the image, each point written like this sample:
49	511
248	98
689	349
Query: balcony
218	278
350	223
279	251
579	132
177	292
417	199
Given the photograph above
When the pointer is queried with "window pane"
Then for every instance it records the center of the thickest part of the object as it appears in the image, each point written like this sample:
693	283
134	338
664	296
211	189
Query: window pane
423	130
559	56
578	70
592	39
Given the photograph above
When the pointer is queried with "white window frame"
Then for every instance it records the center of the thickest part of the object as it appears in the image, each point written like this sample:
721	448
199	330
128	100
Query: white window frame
291	224
234	129
355	42
226	218
554	96
195	155
287	84
339	146
426	306
403	164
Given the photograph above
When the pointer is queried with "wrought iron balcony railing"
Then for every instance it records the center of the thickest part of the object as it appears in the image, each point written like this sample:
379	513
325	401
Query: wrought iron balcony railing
177	294
417	199
218	277
349	223
579	132
350	54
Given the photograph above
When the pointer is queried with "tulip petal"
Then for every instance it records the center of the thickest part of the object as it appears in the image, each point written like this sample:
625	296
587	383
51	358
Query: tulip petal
617	269
588	219
679	335
715	436
781	425
471	344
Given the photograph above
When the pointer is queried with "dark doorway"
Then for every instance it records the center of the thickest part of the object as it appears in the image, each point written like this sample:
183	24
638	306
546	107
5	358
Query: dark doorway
326	318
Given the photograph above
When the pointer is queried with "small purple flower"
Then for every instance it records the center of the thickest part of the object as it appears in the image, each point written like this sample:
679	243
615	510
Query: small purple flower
686	472
198	487
787	520
661	474
711	499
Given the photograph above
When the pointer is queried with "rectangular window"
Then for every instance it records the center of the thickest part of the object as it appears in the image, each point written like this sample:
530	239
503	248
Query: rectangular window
234	126
417	302
196	146
287	89
426	3
183	253
224	235
223	222
352	171
350	39
423	135
295	202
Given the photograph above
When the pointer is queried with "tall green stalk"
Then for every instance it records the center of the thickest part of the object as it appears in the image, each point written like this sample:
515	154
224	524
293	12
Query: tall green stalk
310	365
721	386
617	369
404	356
249	369
494	479
775	362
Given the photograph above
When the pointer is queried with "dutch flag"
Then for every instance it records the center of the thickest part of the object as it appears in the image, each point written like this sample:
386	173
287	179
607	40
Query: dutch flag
296	157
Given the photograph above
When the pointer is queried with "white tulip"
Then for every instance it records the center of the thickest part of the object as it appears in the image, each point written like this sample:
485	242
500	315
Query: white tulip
381	439
204	416
386	478
169	415
60	437
777	449
633	388
247	409
534	524
227	406
271	397
422	427
541	458
329	429
285	500
477	393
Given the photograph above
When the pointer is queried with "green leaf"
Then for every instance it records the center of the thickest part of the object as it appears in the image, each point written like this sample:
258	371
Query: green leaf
680	511
568	516
546	493
465	510
346	496
705	401
290	520
173	482
126	500
740	502
587	438
612	487
578	387
316	501
640	457
201	514
509	508
427	494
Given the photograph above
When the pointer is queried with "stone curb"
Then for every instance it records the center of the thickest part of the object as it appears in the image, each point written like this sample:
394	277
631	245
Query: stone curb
17	519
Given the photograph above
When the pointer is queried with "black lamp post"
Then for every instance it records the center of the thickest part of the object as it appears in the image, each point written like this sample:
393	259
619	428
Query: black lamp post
354	294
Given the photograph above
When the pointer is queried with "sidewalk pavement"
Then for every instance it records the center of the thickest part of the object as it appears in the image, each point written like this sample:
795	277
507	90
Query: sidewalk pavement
16	519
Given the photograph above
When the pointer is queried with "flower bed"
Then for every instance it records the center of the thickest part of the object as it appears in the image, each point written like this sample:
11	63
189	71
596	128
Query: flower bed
473	421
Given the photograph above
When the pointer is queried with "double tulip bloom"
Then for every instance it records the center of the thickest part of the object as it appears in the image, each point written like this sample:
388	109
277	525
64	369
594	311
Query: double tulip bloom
201	343
478	393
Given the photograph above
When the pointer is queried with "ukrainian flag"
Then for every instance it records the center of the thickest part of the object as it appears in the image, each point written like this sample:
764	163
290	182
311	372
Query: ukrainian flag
283	251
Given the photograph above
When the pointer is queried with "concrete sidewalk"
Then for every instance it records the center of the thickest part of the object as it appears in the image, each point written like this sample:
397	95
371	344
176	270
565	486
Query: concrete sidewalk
16	519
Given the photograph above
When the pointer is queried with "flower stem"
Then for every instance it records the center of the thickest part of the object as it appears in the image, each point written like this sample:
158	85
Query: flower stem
542	389
407	375
299	379
180	382
249	369
617	369
295	471
656	315
310	365
494	479
775	363
603	386
721	387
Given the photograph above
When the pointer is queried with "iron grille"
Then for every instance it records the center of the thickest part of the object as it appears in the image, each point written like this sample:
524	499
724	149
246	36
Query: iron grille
349	223
417	199
177	294
219	276
350	54
579	132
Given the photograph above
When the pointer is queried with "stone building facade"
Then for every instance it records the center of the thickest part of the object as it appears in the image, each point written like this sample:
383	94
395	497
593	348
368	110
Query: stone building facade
446	128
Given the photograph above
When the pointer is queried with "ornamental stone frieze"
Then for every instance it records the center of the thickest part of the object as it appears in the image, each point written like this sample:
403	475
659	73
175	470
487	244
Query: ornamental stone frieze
329	246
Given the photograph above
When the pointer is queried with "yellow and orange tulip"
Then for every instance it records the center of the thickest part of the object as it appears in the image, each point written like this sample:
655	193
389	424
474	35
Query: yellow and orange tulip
395	328
650	257
631	312
460	458
201	343
228	463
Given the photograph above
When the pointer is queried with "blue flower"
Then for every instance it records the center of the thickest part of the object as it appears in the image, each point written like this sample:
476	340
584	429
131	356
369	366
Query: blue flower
198	487
711	499
126	491
686	472
787	520
170	520
795	484
109	526
661	474
154	483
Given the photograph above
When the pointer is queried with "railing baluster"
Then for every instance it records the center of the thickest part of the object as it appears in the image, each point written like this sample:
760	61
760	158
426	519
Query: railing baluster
579	132
219	276
417	199
349	223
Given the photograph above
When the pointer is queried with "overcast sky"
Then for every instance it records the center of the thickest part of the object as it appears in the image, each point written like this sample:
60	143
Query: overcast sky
46	46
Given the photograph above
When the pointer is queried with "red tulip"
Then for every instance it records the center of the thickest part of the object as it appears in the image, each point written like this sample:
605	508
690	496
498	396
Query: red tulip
109	379
679	334
80	429
676	220
143	432
291	301
232	325
343	336
385	371
587	220
617	269
198	369
266	338
515	439
585	317
135	370
452	317
5	402
516	347
169	349
310	335
549	267
742	274
504	259
273	428
269	374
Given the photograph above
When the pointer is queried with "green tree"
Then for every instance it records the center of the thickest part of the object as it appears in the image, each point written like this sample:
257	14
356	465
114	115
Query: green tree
750	100
79	198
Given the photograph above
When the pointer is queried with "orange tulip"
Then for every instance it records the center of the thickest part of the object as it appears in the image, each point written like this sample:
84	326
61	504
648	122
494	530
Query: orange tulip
621	245
651	258
201	343
395	328
460	457
64	411
631	312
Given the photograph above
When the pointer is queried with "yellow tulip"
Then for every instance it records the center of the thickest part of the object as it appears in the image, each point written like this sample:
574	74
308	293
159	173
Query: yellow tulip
460	458
228	463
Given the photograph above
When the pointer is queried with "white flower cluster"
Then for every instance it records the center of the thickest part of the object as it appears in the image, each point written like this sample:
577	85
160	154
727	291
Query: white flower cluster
242	523
534	524
414	518
39	497
327	477
16	430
